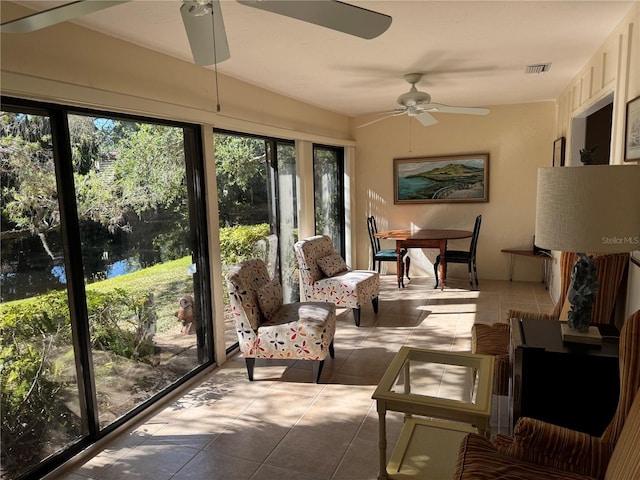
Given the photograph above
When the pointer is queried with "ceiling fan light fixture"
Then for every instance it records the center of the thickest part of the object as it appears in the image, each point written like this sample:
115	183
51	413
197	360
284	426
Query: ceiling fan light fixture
198	8
413	97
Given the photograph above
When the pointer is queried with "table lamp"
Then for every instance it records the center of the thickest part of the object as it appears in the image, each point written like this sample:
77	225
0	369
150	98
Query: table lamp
587	209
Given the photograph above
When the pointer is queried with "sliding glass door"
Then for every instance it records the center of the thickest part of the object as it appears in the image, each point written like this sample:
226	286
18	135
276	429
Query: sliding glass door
256	180
104	282
328	185
41	406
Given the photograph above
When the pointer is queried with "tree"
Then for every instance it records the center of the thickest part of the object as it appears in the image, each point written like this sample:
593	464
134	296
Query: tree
29	194
120	169
145	172
241	174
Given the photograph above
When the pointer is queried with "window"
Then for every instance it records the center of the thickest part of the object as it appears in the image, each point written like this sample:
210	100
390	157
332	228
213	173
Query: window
104	274
328	185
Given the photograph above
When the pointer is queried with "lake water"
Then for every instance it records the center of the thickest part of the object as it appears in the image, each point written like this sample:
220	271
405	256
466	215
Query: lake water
407	186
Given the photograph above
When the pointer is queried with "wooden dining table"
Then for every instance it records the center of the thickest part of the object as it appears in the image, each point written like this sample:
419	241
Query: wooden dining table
423	238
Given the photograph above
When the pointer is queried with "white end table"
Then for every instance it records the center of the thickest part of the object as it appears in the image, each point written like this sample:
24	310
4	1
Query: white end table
412	384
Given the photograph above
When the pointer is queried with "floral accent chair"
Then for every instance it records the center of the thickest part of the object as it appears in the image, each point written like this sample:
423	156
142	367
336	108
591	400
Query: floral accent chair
325	277
267	328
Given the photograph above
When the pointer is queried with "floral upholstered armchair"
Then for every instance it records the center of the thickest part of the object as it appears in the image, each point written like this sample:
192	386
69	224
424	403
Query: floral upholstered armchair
325	277
267	328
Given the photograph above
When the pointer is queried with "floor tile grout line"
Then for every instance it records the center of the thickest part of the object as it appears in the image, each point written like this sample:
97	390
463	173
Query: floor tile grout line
355	435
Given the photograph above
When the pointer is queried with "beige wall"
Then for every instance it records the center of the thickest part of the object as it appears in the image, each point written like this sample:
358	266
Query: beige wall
519	140
613	70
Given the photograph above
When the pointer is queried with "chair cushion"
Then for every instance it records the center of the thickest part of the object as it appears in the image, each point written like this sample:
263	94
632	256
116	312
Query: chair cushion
478	460
332	264
459	256
270	298
298	330
386	254
350	289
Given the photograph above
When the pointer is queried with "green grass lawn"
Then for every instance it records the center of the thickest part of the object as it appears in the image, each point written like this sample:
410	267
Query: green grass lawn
167	281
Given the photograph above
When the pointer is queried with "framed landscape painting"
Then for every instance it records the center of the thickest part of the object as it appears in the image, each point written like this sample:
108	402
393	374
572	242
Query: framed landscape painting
459	178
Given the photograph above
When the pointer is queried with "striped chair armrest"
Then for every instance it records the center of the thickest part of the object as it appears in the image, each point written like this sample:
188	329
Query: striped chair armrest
494	340
558	447
533	315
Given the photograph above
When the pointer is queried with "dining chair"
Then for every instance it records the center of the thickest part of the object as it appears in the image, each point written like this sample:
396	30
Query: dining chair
388	254
463	256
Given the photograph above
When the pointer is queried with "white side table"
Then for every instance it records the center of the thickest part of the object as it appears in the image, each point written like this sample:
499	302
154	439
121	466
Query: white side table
412	385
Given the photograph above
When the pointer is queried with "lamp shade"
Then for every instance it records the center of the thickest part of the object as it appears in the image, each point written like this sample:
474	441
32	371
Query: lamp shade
594	209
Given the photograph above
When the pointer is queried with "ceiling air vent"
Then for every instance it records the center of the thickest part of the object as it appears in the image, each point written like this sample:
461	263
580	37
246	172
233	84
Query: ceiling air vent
538	68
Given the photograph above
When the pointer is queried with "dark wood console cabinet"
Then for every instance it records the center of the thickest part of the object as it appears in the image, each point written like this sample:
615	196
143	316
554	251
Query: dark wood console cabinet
568	384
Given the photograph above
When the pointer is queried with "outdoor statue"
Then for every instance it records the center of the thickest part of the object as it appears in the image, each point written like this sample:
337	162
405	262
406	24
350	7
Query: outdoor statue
185	315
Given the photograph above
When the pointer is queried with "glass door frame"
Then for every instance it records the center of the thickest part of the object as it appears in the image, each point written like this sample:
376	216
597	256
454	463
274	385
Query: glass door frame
70	230
271	152
340	167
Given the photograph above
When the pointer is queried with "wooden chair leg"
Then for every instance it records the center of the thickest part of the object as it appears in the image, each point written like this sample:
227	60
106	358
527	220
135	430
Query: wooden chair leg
407	265
332	352
374	302
435	271
317	369
250	362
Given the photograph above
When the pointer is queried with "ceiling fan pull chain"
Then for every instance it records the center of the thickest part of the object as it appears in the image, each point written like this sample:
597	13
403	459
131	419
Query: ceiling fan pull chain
215	61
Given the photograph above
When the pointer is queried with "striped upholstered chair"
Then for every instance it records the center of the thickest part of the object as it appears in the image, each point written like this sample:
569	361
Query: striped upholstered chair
494	339
542	450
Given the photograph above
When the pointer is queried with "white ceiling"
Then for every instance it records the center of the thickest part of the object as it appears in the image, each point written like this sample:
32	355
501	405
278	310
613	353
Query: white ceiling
473	53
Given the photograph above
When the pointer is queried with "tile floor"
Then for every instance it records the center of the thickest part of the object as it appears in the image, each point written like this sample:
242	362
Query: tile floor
282	426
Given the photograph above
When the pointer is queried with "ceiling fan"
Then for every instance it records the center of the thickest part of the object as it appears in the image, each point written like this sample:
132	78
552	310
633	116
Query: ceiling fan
205	27
419	105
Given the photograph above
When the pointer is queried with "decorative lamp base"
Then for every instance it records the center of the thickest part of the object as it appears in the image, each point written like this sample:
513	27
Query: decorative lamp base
591	336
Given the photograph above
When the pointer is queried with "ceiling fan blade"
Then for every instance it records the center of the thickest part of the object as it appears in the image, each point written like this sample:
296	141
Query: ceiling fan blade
376	120
426	119
52	16
204	32
440	108
332	14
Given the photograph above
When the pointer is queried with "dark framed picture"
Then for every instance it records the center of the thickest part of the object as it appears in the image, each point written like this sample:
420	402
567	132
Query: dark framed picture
558	152
632	131
447	179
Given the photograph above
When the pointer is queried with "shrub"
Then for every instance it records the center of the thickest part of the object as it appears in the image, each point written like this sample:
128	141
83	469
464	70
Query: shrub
238	243
36	345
